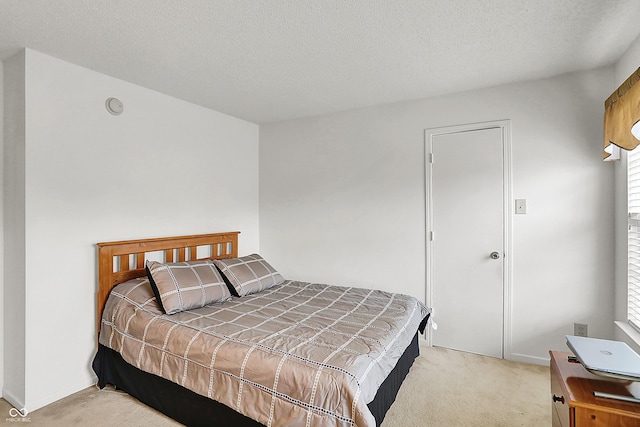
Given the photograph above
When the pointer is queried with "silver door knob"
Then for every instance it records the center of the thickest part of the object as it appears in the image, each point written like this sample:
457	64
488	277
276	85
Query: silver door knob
495	255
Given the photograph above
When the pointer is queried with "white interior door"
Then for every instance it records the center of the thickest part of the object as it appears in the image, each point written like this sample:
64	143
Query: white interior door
467	196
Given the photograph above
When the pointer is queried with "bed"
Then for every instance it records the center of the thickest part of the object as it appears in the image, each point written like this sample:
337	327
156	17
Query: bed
192	329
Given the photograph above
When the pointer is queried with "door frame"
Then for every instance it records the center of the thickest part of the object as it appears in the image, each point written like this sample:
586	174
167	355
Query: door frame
505	127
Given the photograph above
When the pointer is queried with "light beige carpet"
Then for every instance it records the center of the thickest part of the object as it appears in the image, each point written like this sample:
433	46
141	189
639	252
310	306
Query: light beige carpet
444	388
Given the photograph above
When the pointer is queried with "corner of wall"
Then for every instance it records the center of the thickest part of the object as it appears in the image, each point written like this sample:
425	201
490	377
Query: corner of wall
13	209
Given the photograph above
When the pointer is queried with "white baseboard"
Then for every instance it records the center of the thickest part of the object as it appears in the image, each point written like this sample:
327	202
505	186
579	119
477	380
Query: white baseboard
528	359
516	357
58	394
12	399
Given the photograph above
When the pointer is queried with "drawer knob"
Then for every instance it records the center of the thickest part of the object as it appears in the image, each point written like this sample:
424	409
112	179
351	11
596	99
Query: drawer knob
558	399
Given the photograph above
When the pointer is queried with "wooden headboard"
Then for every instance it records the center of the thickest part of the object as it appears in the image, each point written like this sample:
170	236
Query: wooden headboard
125	260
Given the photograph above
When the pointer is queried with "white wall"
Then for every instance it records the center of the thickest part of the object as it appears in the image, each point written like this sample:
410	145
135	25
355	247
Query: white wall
629	62
164	167
342	200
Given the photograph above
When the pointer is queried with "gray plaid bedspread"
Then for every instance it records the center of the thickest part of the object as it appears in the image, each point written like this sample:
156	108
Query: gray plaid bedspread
297	354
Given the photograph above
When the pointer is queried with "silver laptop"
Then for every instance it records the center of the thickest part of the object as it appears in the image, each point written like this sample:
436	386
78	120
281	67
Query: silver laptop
605	357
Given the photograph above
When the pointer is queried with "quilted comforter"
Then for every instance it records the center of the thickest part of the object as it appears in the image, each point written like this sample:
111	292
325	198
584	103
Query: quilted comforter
299	353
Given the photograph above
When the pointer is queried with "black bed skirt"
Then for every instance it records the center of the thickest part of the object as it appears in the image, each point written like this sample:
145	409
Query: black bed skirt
192	409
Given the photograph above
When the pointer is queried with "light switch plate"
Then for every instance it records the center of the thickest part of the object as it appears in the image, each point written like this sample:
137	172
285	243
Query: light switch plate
521	206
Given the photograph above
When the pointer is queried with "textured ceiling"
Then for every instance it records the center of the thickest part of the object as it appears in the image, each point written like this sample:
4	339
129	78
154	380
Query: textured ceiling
267	61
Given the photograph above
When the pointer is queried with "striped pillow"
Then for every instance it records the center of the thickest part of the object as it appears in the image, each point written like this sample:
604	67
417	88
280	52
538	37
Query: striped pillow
249	274
181	286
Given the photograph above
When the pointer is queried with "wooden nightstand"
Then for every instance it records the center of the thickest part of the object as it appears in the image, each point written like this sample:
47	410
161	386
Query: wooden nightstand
574	404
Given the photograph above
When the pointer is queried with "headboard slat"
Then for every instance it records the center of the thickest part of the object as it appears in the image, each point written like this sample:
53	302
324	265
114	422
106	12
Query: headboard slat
140	260
124	263
107	278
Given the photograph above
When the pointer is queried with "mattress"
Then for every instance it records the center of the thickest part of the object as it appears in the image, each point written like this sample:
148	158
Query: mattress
295	354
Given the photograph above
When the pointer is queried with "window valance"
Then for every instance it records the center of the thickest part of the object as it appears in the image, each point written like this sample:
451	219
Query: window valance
621	114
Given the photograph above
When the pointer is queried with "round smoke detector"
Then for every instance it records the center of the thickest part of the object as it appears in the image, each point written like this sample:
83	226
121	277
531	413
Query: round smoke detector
114	106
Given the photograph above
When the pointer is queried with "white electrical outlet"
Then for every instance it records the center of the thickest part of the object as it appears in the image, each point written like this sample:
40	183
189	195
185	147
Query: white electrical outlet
580	329
521	206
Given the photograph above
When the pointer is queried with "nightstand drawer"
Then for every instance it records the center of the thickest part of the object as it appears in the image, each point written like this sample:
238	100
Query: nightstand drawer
597	418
